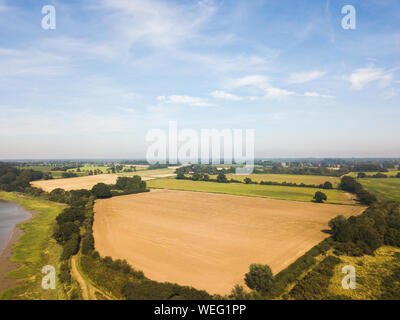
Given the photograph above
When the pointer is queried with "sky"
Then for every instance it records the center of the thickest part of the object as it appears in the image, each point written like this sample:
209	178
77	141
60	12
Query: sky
112	70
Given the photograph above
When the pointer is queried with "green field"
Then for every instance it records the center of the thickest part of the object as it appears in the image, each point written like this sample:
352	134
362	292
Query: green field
383	189
35	249
254	190
146	173
293	178
391	173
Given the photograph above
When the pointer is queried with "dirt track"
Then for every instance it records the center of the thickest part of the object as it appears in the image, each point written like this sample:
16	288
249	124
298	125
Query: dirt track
208	240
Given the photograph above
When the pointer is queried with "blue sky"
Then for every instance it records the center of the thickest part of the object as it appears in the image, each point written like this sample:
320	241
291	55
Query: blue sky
114	69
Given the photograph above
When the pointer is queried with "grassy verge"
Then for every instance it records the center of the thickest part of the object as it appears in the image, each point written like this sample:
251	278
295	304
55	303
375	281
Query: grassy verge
34	249
253	190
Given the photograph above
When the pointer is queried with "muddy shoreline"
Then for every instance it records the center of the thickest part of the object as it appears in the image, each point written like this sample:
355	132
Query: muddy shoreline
6	265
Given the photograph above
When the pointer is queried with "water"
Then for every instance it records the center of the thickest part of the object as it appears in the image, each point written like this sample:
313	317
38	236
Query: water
10	215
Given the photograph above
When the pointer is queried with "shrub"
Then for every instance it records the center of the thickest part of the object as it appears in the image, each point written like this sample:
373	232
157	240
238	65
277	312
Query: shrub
315	283
87	243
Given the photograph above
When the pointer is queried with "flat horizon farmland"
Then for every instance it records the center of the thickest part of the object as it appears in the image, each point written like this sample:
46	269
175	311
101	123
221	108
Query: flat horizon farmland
383	189
253	190
208	240
87	182
292	178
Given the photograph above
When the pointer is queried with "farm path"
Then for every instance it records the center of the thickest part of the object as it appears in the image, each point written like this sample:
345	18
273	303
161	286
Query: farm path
79	278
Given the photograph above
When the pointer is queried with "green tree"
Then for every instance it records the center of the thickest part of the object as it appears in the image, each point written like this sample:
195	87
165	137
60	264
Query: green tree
259	278
320	197
222	178
101	191
247	180
327	185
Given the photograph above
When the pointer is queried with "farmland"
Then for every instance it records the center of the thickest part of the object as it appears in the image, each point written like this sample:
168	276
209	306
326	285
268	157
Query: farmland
390	173
254	190
292	178
208	240
88	182
383	189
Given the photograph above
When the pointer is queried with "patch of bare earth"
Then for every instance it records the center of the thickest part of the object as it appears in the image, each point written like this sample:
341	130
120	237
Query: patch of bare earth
208	240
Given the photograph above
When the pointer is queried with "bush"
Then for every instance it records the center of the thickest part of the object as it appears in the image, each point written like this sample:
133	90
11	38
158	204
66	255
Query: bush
87	243
151	290
315	283
65	273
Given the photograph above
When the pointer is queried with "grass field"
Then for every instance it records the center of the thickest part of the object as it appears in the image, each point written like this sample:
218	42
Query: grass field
306	179
88	182
34	249
254	190
391	173
370	272
208	240
383	189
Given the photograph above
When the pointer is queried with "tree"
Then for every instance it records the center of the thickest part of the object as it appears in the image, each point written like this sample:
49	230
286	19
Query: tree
247	180
180	175
222	178
327	185
341	229
361	175
320	197
259	278
87	243
101	191
71	247
197	176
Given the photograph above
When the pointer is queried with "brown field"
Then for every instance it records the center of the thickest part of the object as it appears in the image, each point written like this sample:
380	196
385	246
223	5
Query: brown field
208	240
87	182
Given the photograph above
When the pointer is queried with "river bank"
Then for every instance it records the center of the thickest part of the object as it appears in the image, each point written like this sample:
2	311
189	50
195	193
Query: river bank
29	248
11	215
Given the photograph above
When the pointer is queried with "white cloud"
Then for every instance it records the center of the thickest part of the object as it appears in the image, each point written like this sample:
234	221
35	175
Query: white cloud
362	77
304	77
32	62
317	95
252	80
188	100
225	95
261	83
158	23
278	93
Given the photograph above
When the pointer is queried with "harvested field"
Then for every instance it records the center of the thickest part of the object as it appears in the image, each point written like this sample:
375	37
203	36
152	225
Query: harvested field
208	240
87	182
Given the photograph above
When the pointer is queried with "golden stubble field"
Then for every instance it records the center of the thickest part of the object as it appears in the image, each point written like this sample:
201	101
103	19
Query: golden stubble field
208	240
87	182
